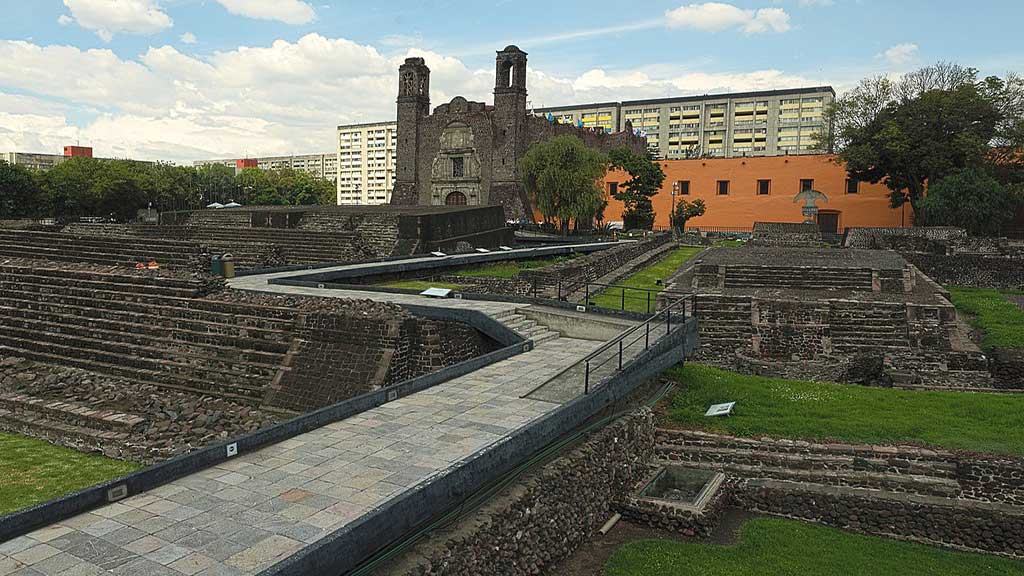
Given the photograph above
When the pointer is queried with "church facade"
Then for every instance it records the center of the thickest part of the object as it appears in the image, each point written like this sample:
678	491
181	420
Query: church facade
467	153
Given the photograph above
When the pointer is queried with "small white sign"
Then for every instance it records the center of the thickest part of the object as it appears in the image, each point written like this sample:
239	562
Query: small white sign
436	292
720	409
581	308
504	248
232	449
439	254
483	250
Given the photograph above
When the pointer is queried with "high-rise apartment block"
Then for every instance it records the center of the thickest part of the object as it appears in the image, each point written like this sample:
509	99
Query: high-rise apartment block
366	162
324	166
768	123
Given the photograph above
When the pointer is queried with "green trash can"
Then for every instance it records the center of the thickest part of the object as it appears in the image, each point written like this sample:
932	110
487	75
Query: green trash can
216	266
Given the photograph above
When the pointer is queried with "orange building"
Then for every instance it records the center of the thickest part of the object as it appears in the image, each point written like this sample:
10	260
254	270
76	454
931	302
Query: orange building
741	191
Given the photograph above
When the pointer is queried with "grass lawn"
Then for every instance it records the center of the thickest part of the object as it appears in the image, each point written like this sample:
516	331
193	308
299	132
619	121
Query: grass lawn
420	285
33	471
777	547
510	268
636	300
1001	320
846	412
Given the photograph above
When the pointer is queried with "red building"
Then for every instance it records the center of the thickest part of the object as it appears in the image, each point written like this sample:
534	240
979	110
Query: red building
78	151
243	163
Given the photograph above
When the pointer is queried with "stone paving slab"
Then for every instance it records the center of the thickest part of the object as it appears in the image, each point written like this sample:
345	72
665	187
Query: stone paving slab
245	515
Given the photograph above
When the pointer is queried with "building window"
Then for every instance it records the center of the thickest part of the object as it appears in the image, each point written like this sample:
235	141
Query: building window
851	185
458	167
682	187
763	186
613	188
806	184
723	187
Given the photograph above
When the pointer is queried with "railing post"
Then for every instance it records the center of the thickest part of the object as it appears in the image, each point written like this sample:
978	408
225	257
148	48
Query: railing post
620	354
559	288
586	380
648	301
623	290
669	320
586	299
647	335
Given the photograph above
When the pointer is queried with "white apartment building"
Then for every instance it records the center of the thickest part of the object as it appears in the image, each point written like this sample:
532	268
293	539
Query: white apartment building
765	123
366	162
324	166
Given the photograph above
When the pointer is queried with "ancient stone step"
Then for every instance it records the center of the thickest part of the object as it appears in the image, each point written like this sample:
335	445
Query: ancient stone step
53	285
248	395
181	374
203	345
69	413
243	326
44	428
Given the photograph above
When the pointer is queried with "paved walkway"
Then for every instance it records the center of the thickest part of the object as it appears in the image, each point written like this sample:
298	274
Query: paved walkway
247	514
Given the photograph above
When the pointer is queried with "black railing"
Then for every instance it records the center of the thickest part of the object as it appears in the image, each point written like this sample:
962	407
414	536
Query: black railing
645	298
629	341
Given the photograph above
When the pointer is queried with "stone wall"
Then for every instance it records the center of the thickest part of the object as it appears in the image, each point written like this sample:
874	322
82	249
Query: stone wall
978	526
921	237
971	270
1007	367
786	234
551	513
574	274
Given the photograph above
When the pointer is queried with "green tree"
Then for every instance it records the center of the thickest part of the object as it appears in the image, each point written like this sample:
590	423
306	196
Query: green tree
645	179
924	139
563	176
215	183
684	211
971	199
70	188
20	193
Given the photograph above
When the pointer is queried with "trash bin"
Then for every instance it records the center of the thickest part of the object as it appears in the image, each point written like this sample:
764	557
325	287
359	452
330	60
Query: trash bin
216	266
228	266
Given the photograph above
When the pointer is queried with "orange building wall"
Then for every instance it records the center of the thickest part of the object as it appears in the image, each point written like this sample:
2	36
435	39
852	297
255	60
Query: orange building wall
743	206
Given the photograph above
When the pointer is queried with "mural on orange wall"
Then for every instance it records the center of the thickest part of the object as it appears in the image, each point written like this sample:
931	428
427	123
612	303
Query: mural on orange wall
741	191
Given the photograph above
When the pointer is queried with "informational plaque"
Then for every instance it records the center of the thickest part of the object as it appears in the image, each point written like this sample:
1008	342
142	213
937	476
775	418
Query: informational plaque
720	409
436	292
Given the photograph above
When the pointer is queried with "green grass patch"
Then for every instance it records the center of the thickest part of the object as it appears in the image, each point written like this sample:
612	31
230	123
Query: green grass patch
636	300
420	285
790	548
1001	321
510	268
822	411
730	243
33	471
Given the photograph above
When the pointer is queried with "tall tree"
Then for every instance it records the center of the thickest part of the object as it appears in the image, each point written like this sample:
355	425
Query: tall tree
20	193
971	199
912	142
684	211
563	176
645	179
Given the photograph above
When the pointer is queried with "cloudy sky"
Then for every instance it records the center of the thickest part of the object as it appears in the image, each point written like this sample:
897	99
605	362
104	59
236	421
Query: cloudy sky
181	80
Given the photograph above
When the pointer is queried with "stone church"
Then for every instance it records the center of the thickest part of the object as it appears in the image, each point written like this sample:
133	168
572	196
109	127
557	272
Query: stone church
467	153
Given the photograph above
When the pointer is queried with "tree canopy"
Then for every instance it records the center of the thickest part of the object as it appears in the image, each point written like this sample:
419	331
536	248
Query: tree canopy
119	188
563	176
645	179
971	199
684	211
929	125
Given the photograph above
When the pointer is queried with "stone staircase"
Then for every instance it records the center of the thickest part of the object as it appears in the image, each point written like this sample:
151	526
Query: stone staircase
898	470
526	328
102	250
724	321
797	277
148	332
63	420
862	327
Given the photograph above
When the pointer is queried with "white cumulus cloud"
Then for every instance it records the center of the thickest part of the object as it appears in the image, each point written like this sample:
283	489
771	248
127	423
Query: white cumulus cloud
717	16
109	17
900	53
189	38
282	98
287	11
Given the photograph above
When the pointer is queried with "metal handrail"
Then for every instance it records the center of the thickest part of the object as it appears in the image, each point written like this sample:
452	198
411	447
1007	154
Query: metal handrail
642	331
672	294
